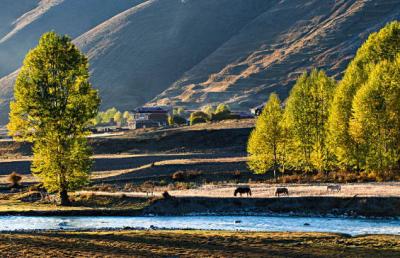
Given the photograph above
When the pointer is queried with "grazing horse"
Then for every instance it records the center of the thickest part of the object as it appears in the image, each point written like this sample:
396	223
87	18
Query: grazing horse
333	188
281	190
242	190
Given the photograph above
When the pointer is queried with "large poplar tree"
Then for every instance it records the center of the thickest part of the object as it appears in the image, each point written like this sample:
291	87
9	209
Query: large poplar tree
382	45
265	146
54	103
375	123
306	115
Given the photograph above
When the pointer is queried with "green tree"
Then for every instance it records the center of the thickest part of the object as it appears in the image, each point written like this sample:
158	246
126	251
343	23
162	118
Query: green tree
118	117
265	145
97	120
383	45
306	117
222	112
108	114
127	117
198	117
375	124
222	108
209	110
176	120
53	107
179	111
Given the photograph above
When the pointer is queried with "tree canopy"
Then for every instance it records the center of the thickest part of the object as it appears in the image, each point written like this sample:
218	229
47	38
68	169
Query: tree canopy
382	45
375	123
54	103
306	117
265	146
354	126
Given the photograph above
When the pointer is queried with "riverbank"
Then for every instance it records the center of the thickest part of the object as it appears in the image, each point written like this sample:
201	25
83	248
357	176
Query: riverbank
300	206
370	207
190	243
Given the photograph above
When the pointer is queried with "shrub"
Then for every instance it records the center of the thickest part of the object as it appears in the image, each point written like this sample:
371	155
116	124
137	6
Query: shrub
176	120
222	108
166	195
14	179
178	176
221	113
197	120
222	116
198	117
209	110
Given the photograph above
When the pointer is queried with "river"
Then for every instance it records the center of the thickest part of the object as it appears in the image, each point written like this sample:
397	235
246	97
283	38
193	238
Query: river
247	223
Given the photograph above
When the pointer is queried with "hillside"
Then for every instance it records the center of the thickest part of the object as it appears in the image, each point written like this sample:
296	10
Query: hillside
194	52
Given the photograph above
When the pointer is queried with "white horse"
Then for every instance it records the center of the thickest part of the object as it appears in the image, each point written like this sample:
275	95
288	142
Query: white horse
333	188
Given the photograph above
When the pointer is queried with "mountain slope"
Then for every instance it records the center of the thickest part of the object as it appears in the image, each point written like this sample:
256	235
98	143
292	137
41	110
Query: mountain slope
195	52
269	53
22	23
139	53
72	17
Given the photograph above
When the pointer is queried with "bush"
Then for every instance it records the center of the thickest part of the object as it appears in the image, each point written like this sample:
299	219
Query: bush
222	116
198	117
176	120
166	195
14	179
178	176
221	113
197	120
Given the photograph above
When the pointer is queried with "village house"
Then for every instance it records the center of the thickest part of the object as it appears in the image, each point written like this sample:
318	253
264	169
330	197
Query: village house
149	117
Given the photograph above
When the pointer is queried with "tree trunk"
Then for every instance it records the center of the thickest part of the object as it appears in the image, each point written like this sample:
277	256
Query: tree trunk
64	199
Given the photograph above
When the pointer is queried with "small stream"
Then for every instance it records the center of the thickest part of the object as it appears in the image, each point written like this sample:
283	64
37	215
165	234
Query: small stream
246	223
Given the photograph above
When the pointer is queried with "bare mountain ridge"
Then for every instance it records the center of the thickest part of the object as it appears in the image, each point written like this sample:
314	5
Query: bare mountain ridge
195	52
286	40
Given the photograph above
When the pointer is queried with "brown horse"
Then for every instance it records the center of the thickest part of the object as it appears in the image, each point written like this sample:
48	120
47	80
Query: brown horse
242	190
281	190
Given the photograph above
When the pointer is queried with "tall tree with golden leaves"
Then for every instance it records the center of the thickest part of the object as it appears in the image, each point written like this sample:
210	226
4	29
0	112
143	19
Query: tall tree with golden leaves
54	103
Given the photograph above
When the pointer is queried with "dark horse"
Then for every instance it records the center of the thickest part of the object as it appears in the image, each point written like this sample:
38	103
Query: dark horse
242	190
281	190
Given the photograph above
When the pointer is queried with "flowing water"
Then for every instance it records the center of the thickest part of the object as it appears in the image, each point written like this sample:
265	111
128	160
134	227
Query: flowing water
247	223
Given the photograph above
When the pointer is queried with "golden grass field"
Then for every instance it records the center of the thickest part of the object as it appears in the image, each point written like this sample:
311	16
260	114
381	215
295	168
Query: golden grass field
388	189
195	244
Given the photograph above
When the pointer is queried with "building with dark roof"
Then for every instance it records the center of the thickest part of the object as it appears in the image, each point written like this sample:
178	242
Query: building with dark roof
149	117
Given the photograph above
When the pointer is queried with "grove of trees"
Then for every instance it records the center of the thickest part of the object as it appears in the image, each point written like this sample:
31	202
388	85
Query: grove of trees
112	114
352	125
53	107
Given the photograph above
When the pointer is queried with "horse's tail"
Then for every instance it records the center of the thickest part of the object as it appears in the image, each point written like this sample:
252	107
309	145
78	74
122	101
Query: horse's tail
235	193
250	192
